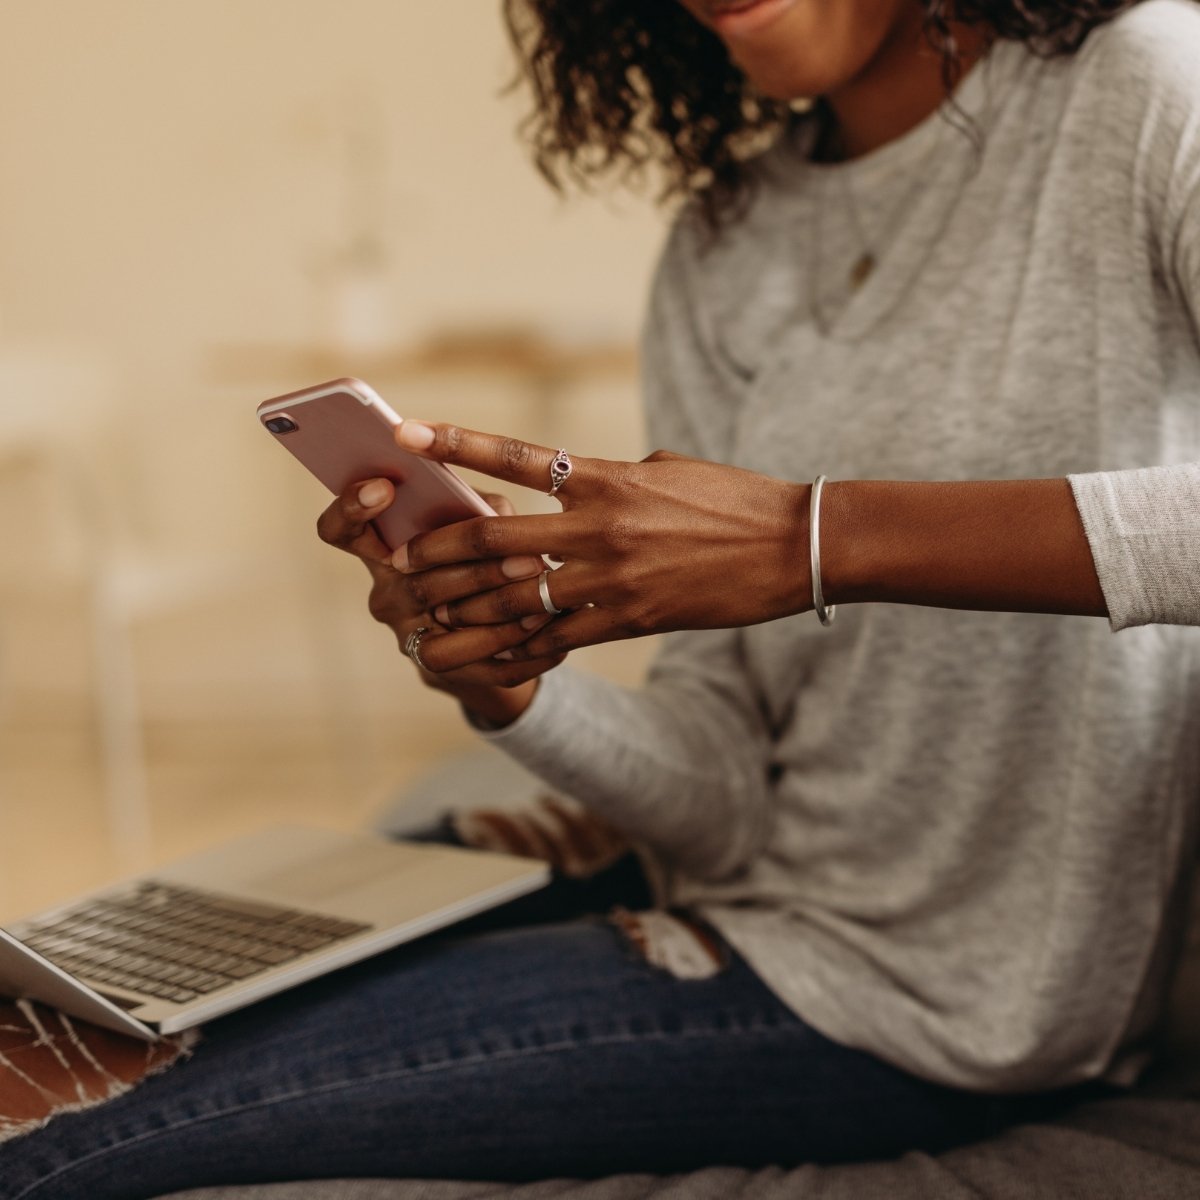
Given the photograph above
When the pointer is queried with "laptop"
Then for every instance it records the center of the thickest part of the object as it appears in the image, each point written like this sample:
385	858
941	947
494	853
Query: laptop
221	929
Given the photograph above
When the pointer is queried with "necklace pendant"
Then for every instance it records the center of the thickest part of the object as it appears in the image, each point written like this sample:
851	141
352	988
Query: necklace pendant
862	269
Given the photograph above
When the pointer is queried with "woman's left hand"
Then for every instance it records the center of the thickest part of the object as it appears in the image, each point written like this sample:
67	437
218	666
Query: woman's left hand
647	547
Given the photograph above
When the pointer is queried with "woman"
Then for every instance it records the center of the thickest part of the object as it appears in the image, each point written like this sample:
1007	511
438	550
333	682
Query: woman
943	855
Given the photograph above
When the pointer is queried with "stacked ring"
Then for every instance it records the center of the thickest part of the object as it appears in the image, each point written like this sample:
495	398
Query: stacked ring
412	645
544	592
560	471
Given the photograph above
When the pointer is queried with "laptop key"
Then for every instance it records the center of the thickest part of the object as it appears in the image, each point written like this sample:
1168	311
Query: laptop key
300	939
240	968
274	955
209	983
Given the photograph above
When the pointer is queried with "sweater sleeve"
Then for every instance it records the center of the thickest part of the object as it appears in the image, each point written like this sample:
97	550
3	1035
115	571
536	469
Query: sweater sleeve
1143	526
680	764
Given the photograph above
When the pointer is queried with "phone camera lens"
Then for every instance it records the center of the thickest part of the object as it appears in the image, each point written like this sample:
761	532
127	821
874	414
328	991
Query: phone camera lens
281	425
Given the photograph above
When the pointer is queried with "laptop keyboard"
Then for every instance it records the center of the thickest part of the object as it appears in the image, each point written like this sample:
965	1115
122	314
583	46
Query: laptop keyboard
177	943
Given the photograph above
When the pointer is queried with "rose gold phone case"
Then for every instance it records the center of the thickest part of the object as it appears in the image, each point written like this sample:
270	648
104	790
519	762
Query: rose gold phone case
345	434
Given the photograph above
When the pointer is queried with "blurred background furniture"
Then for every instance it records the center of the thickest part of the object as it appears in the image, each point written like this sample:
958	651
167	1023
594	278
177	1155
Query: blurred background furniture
542	365
73	530
55	401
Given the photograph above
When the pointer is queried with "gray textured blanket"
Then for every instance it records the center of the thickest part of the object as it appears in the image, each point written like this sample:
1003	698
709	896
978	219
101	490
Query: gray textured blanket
1137	1149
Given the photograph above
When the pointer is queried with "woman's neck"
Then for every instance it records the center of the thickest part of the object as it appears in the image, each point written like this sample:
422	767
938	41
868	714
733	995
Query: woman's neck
898	89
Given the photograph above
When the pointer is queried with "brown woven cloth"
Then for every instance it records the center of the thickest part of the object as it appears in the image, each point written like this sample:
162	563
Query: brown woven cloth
578	844
554	829
51	1063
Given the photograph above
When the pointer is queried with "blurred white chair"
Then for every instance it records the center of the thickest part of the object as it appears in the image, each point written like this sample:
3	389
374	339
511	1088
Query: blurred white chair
57	404
53	403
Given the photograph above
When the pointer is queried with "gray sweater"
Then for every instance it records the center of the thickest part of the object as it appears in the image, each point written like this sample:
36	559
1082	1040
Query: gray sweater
960	841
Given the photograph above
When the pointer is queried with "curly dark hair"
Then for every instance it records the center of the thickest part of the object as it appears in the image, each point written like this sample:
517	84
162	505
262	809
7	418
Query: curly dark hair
623	85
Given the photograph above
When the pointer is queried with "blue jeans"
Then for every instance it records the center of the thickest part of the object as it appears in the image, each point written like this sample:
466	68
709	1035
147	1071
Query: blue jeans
499	1051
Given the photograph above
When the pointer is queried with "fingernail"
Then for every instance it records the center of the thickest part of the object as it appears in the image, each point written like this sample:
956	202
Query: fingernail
373	493
415	435
400	559
520	568
536	621
441	615
505	656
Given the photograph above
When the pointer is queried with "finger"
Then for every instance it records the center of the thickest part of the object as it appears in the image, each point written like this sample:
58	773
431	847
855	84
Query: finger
566	588
506	458
346	523
501	505
441	652
572	631
430	590
490	537
505	674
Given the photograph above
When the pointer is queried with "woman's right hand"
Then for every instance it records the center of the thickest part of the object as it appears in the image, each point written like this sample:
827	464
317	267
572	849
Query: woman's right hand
461	662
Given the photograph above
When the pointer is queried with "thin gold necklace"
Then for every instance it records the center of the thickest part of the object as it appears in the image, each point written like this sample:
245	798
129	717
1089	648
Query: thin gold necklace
866	262
867	258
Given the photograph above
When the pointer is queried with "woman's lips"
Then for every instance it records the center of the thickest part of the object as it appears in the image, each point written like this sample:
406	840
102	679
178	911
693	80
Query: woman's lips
741	18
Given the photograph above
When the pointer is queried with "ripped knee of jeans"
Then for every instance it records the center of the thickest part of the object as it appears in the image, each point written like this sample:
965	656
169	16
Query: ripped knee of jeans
681	945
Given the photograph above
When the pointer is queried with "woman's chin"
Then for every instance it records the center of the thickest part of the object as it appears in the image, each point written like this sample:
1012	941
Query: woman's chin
786	80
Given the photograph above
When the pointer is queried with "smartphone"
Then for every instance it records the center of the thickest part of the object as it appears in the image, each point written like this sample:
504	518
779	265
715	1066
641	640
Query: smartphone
345	434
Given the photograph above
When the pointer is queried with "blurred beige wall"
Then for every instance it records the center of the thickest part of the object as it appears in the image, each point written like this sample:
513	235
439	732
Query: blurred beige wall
195	195
174	172
177	176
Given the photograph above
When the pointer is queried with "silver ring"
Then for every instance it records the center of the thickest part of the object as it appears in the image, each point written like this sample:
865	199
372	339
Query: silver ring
560	471
412	645
544	592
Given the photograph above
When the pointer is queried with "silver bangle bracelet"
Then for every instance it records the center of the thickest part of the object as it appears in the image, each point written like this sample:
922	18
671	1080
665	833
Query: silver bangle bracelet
824	615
